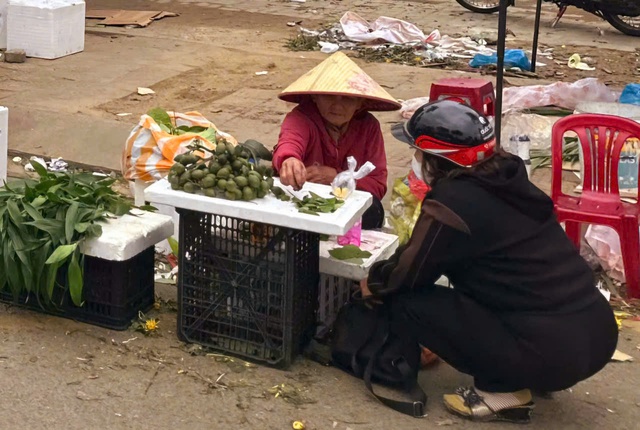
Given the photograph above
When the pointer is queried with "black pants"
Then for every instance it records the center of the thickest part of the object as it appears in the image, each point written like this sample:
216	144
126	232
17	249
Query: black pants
374	216
507	352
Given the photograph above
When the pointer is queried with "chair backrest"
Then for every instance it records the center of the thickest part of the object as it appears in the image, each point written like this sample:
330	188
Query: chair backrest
601	138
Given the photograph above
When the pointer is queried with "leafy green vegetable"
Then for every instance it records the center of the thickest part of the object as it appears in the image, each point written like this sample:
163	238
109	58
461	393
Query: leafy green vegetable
349	252
42	223
164	121
161	117
314	204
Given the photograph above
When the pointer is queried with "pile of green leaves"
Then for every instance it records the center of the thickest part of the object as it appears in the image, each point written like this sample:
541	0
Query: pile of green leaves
42	222
570	154
163	119
312	204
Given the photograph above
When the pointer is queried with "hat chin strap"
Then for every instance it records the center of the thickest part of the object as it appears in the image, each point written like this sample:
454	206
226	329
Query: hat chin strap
465	156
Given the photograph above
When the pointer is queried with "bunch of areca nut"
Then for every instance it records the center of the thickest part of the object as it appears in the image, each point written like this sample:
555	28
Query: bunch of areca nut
229	172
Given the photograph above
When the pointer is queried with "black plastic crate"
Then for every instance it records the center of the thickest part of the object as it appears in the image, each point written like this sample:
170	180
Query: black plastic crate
114	292
245	288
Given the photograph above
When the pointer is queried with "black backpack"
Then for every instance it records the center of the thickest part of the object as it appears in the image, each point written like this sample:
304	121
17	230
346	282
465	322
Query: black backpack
361	345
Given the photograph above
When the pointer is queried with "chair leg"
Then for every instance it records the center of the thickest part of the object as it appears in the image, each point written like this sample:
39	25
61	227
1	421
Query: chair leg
573	230
630	244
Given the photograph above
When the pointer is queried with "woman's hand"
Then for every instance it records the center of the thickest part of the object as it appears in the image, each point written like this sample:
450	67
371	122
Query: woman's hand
321	174
293	172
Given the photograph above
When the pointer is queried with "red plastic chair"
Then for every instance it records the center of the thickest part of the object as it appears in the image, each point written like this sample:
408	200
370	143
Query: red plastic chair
601	138
477	93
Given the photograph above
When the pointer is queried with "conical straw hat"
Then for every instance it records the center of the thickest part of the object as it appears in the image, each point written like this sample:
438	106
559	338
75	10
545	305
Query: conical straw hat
339	75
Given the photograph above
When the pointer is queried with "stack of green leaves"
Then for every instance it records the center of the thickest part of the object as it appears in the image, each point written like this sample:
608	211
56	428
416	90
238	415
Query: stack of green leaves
312	204
570	154
42	222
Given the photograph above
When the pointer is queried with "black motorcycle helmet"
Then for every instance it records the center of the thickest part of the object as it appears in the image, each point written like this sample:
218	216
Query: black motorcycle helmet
450	130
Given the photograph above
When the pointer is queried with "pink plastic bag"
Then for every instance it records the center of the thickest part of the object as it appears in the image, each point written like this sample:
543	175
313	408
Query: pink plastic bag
353	236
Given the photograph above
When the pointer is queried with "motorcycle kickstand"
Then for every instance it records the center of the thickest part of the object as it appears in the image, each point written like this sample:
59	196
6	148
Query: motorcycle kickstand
561	12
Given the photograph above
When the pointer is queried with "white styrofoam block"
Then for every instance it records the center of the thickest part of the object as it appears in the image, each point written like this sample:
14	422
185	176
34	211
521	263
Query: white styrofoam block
125	237
4	142
3	23
380	245
46	28
268	210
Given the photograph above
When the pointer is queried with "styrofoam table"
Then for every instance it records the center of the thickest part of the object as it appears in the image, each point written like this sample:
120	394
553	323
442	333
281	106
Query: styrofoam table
380	245
268	210
126	236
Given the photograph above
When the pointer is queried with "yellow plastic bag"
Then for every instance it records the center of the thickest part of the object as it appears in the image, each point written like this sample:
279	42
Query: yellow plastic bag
406	202
150	150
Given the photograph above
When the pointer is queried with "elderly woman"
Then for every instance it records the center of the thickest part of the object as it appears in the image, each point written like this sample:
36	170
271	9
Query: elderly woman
330	123
524	313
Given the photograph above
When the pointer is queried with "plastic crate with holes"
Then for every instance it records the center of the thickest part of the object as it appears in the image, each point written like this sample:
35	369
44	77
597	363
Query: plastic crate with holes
246	288
114	292
339	279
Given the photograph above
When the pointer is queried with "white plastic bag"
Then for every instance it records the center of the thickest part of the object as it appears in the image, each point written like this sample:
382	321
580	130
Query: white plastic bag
345	182
391	30
605	242
563	94
409	107
536	127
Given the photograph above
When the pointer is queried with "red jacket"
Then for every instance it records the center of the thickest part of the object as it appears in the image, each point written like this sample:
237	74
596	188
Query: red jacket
303	135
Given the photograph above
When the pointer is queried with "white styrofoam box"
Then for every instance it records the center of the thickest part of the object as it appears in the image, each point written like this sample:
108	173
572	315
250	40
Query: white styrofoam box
3	23
46	28
4	142
380	245
137	188
126	236
268	210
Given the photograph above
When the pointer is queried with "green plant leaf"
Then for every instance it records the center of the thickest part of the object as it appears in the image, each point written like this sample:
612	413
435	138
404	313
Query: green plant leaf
70	221
94	230
40	169
174	245
51	274
75	279
348	252
61	253
148	208
31	211
14	212
209	134
53	227
81	227
161	117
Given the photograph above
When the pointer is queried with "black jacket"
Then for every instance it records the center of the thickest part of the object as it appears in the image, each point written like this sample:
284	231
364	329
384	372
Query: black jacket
497	240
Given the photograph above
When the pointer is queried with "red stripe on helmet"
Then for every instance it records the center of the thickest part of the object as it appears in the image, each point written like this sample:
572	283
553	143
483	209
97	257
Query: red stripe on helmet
461	155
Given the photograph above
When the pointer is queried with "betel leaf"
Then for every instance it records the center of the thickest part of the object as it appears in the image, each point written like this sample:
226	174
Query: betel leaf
61	253
161	117
75	279
348	252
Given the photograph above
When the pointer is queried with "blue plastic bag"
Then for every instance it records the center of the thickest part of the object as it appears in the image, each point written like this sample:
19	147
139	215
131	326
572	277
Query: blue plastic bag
631	94
512	58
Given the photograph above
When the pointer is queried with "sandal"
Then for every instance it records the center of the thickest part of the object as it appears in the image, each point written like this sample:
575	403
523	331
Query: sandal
467	403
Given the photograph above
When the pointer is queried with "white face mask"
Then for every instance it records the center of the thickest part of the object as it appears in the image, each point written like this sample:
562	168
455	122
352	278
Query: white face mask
416	166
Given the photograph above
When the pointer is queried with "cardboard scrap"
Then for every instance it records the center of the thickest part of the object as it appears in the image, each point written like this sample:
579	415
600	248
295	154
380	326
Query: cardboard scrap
120	17
621	357
145	91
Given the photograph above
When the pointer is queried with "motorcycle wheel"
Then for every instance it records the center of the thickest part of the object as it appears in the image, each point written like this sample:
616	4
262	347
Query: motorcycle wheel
480	6
627	24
